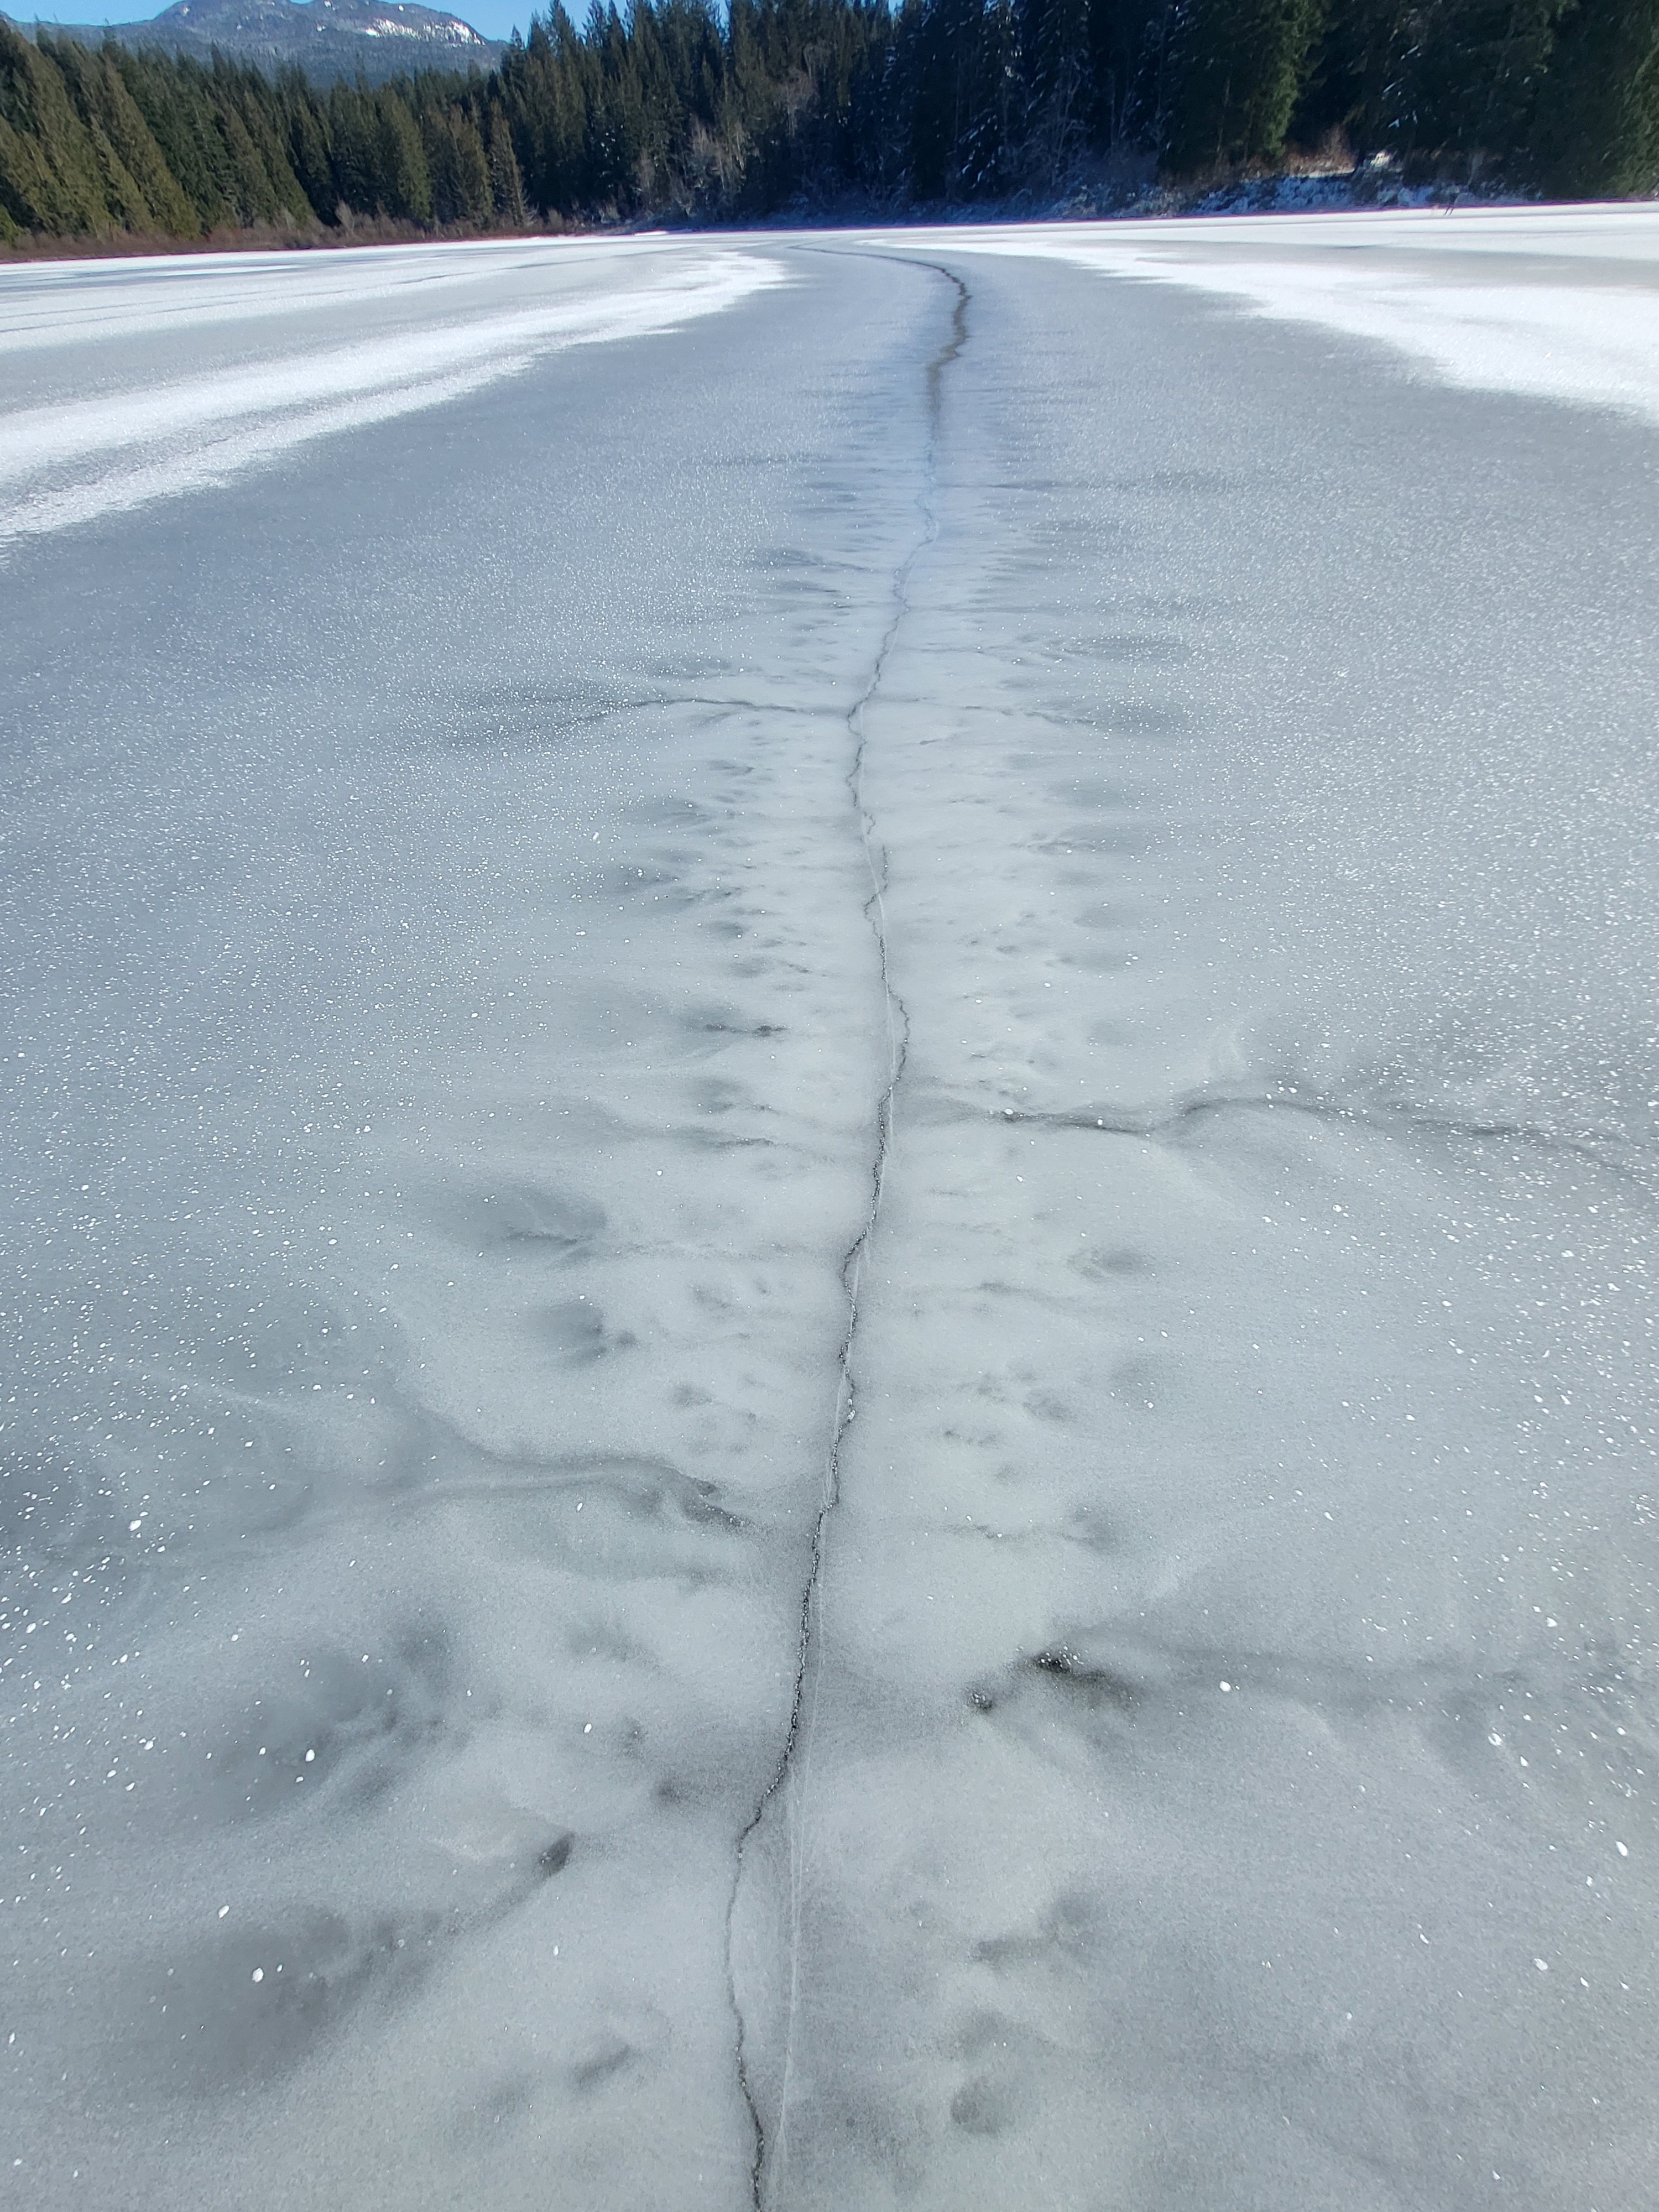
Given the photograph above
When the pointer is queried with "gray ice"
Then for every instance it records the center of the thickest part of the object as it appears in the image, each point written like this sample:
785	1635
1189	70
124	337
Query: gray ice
945	947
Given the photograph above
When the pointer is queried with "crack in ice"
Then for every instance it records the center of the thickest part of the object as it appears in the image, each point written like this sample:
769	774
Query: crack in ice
803	1703
1604	1149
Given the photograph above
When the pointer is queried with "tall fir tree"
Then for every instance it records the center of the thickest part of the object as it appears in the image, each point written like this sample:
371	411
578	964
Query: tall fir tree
1238	67
1595	129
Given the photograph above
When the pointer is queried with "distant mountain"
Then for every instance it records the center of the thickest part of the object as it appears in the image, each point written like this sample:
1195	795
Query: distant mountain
327	39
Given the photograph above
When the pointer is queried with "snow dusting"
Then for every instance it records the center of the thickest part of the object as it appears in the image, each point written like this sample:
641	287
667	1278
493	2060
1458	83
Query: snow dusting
828	1145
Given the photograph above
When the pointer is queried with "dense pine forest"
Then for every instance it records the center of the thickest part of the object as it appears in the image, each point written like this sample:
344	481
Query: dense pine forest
676	110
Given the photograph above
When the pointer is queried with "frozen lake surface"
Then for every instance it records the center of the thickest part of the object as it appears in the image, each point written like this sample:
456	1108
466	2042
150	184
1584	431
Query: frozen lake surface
946	945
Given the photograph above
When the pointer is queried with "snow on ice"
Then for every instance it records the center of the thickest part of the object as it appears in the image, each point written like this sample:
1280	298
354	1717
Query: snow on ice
920	828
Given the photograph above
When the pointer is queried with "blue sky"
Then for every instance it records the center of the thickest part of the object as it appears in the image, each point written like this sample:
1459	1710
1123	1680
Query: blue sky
495	18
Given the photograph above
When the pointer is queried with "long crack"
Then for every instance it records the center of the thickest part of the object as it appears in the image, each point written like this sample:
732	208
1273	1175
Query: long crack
1622	1157
803	1702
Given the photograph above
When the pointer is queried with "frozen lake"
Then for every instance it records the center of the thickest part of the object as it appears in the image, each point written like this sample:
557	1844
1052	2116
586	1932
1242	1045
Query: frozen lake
947	944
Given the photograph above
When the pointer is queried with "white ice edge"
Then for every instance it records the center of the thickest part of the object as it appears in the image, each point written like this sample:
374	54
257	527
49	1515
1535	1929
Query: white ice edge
1594	343
200	431
45	305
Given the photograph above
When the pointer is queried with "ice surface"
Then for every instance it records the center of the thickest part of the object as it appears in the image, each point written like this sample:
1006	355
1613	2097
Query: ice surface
828	1189
67	461
1562	303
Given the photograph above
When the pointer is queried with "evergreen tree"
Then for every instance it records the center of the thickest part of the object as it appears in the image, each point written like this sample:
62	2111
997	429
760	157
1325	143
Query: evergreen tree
1596	125
1353	72
305	139
1130	43
939	50
669	106
173	99
54	175
1470	75
404	183
1239	66
1058	56
504	182
148	197
456	166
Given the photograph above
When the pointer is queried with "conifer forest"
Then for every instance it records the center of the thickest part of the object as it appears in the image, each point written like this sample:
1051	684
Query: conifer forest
678	111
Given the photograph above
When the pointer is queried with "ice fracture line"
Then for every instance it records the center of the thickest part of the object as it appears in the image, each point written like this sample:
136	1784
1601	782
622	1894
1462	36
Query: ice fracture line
787	1779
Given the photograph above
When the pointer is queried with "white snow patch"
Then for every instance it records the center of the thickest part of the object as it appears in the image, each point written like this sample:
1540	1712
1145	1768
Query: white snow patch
69	463
1557	303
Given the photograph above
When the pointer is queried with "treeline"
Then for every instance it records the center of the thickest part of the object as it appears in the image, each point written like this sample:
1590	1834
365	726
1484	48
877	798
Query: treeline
676	110
813	102
96	144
